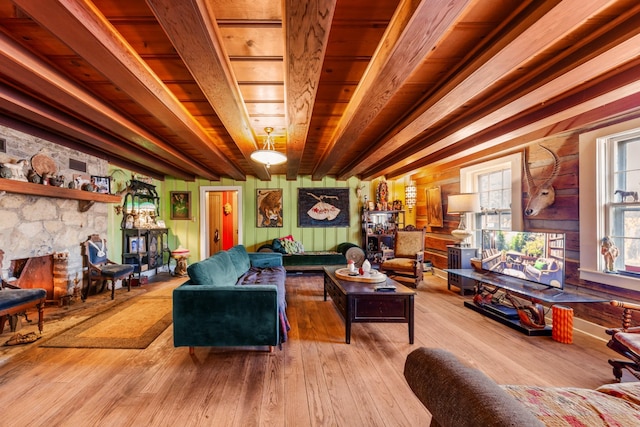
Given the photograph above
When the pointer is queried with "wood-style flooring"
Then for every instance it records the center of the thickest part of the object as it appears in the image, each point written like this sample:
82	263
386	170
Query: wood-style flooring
315	380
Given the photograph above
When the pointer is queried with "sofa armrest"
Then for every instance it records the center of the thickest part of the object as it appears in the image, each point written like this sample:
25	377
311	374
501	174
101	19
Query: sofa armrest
458	395
265	259
205	315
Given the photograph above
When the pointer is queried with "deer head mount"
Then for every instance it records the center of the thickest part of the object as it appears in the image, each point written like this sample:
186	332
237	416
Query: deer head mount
543	195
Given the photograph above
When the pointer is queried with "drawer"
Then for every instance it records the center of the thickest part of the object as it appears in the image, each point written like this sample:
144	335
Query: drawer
387	308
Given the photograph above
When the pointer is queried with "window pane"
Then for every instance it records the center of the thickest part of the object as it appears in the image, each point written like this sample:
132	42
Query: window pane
623	217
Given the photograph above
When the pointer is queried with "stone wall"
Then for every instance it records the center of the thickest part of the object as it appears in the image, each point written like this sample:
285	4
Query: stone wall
35	225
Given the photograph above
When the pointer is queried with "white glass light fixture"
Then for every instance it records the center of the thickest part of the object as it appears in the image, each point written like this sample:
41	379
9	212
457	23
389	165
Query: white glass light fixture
462	204
410	193
268	155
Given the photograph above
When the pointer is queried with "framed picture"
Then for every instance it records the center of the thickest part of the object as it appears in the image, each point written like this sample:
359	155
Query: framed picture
269	207
180	203
323	207
137	244
101	184
434	207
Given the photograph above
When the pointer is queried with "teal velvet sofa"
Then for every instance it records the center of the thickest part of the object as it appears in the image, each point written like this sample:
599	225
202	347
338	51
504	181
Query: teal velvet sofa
233	298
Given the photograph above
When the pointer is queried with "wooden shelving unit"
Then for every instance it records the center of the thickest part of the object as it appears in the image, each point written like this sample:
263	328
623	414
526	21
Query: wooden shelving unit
29	188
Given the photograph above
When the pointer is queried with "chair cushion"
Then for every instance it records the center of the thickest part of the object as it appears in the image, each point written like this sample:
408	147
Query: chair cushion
116	271
396	264
240	259
629	340
97	252
12	297
217	270
408	243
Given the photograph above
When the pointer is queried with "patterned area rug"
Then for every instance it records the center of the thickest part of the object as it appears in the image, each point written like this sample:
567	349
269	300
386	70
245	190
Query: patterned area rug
134	324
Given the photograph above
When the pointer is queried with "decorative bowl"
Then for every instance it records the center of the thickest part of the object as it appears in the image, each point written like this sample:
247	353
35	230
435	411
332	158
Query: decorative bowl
476	263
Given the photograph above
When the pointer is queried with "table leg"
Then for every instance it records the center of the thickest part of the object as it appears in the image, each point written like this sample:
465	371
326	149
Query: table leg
411	329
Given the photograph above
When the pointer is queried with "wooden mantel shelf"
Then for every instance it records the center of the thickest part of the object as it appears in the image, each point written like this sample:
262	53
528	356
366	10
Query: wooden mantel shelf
21	187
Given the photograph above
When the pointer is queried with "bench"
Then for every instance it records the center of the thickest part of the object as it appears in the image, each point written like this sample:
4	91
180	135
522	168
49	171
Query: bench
16	301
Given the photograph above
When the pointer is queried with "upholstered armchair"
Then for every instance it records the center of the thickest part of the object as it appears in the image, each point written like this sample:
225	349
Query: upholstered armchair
626	341
100	269
408	255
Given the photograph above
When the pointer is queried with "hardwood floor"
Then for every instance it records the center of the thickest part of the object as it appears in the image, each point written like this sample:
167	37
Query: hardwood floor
316	379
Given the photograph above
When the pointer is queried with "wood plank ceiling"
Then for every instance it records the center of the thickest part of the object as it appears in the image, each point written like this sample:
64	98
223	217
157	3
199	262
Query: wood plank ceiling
352	87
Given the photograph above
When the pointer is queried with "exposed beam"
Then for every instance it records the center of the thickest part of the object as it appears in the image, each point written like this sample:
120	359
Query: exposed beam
608	61
32	72
414	31
192	29
34	111
307	26
86	31
550	28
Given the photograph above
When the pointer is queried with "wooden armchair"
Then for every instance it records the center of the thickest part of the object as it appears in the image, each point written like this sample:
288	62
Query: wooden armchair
626	341
408	255
100	269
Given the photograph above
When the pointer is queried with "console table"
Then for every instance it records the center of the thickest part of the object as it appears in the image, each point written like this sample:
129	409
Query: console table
522	288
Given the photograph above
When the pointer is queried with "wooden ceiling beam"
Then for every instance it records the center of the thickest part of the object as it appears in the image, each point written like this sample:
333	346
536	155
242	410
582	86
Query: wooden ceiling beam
307	27
30	71
415	30
192	29
607	61
86	31
539	36
33	111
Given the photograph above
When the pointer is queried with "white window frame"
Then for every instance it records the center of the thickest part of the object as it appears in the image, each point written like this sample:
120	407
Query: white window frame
469	182
593	200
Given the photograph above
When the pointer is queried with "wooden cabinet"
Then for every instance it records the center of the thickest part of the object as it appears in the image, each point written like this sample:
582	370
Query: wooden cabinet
458	258
146	248
378	228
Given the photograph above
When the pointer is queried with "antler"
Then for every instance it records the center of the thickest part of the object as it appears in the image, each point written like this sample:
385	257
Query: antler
556	166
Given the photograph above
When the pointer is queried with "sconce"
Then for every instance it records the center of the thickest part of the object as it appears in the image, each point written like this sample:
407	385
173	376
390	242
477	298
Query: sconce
410	193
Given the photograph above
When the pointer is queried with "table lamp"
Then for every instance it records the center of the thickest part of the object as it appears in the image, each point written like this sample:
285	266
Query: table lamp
462	204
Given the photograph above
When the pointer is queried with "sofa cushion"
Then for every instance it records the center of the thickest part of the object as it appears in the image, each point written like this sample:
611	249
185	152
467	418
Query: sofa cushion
627	391
575	407
239	259
217	270
267	276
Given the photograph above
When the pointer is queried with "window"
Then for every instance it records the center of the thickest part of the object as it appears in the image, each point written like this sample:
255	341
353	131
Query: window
622	213
495	198
609	175
499	183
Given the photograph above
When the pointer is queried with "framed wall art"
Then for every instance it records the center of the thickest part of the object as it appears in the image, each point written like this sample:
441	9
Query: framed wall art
323	207
434	207
269	207
180	203
101	184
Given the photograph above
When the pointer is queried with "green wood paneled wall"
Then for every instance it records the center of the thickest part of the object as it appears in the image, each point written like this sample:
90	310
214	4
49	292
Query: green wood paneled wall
187	232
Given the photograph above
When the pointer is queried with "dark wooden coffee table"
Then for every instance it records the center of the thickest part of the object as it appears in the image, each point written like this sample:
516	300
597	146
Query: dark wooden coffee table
359	302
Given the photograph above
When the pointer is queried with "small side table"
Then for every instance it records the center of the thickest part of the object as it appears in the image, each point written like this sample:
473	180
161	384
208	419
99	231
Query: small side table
180	255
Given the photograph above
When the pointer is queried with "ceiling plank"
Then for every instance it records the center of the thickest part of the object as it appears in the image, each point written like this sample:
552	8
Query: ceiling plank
31	71
195	35
306	33
34	111
541	34
85	30
607	61
414	31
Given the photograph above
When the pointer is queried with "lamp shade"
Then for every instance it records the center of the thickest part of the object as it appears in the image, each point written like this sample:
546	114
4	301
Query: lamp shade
462	203
268	155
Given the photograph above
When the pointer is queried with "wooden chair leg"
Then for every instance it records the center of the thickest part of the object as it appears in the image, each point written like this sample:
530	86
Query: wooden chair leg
113	289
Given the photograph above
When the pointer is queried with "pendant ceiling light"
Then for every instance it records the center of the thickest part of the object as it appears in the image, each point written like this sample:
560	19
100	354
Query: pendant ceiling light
268	155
